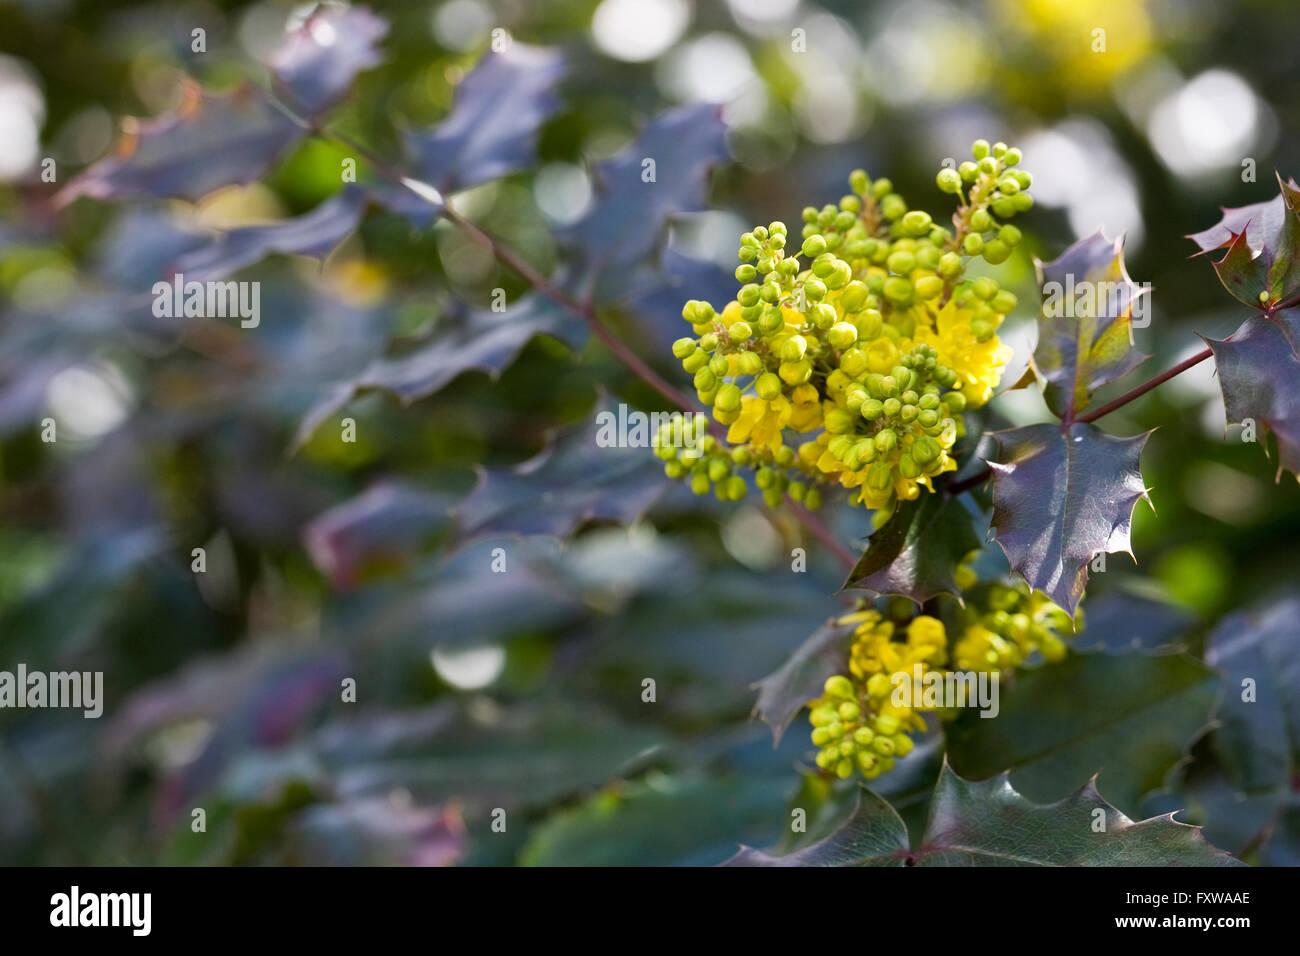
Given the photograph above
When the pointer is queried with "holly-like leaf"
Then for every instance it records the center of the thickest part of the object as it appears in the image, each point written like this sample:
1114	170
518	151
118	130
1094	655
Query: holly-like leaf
1130	717
1263	248
783	693
1085	328
579	476
916	552
492	128
873	835
208	142
1061	494
663	173
316	64
987	823
315	233
478	340
1258	733
1258	371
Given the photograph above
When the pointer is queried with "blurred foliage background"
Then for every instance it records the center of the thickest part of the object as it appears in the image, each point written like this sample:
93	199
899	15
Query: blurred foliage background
522	691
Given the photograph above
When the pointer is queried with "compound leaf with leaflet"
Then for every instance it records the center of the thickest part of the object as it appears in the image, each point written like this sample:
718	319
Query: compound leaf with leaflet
1263	248
782	693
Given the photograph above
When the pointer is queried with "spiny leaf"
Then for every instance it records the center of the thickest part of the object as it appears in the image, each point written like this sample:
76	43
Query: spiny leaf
873	835
491	131
208	142
1061	495
987	823
315	233
1085	333
784	692
631	209
917	551
479	340
1258	737
577	478
1263	243
1258	372
318	61
1129	716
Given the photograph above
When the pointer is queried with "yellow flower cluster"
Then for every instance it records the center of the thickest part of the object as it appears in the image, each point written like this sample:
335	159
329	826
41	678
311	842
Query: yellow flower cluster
854	367
861	723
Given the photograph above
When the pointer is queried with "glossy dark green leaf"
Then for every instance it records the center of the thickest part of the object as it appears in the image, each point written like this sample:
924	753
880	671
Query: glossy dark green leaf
916	553
1060	496
1263	248
1085	328
1258	373
576	478
668	821
783	693
1258	733
1130	717
987	823
491	131
873	835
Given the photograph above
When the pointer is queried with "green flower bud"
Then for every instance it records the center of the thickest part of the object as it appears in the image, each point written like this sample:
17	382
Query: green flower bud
916	223
695	361
872	409
892	407
705	379
980	148
838	421
745	273
898	290
984	288
683	348
854	297
853	362
1004	302
928	287
728	397
893	206
765	478
972	245
901	262
928	418
740	332
886	440
996	252
748	295
967	171
793	349
956	402
1004	207
839	686
1008	186
736	488
823	315
949	265
700	484
814	289
948	180
887	724
981	221
718	470
877	686
859	182
813	246
797	490
749	363
880	477
1010	235
820	737
795	373
988	166
842	335
719	365
767	386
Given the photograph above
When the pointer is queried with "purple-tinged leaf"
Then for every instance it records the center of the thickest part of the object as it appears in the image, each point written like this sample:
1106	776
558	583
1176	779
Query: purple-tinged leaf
477	341
663	173
1262	264
382	527
318	61
1259	374
1258	736
784	692
1061	495
1085	328
916	553
378	831
576	478
208	142
315	233
492	128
